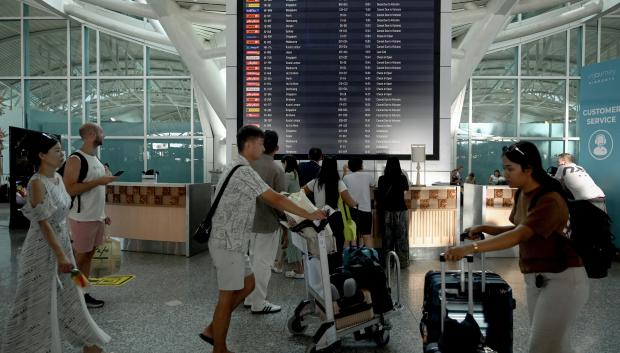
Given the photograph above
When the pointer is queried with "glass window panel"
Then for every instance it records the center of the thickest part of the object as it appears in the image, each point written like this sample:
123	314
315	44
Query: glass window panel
543	107
610	38
494	112
122	107
46	105
591	41
572	147
464	124
500	63
573	107
90	46
171	158
197	124
119	57
10	52
544	57
10	8
10	115
34	11
575	52
126	155
199	161
76	143
486	157
76	106
462	153
46	46
169	107
549	151
10	102
165	64
90	101
76	48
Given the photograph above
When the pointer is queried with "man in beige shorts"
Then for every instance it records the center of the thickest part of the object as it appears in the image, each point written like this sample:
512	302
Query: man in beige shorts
231	230
85	179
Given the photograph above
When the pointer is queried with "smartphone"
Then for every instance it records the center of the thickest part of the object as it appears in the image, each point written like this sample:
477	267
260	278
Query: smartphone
119	173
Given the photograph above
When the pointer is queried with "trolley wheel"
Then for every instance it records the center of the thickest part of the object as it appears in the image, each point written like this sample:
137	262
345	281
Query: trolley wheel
381	337
295	325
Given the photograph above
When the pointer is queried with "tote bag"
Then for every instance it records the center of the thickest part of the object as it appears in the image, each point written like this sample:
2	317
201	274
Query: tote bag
107	258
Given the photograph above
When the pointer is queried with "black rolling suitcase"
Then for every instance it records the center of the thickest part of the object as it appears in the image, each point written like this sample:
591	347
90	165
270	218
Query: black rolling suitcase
491	306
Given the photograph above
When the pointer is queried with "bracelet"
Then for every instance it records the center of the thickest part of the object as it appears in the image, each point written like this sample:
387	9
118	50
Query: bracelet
475	245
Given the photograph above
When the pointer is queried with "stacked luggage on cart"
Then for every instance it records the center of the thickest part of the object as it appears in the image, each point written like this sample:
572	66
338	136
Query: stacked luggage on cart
355	299
466	318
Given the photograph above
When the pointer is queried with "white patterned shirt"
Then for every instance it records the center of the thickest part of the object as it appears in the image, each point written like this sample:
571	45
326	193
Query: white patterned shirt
234	216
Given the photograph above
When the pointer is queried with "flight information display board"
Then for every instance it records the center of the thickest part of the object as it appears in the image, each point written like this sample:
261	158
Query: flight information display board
354	77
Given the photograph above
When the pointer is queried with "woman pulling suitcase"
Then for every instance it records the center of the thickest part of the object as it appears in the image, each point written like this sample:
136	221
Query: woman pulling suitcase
557	287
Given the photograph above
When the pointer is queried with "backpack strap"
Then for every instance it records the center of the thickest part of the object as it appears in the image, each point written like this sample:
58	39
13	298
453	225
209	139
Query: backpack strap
81	178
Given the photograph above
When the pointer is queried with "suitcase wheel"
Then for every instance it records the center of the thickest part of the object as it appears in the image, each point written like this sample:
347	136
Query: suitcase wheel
381	337
295	325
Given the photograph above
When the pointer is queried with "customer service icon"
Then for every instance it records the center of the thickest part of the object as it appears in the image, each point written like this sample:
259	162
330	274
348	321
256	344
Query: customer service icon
600	144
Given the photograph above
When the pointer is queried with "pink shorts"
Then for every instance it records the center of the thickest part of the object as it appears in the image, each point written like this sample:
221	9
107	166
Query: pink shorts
86	236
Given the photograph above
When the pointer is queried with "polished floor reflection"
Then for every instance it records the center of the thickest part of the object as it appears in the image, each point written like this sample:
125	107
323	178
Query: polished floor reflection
164	308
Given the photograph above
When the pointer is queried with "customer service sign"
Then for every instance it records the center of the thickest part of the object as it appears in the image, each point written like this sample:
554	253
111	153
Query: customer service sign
599	131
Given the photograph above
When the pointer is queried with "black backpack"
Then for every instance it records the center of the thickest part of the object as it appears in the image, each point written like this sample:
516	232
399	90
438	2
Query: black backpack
589	233
81	177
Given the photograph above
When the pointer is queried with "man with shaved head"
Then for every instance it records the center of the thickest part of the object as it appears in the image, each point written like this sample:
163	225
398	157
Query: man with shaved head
85	180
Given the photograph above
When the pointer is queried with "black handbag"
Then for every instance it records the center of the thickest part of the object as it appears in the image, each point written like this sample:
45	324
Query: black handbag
203	232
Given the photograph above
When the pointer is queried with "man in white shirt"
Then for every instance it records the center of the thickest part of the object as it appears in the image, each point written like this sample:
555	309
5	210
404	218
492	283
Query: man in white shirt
576	180
359	185
85	180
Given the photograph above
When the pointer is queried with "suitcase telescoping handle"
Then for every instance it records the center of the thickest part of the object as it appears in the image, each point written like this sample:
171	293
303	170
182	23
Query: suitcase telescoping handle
470	286
464	236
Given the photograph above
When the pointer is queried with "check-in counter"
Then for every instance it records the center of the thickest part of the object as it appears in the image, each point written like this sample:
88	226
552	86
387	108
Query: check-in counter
433	219
489	204
157	218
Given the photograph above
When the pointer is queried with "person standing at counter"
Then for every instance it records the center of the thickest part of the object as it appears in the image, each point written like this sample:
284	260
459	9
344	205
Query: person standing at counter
580	184
359	185
496	178
266	232
556	283
85	179
310	170
231	230
48	306
392	186
326	189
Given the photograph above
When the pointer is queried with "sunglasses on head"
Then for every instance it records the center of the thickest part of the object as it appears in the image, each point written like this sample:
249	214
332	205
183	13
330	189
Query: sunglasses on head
508	149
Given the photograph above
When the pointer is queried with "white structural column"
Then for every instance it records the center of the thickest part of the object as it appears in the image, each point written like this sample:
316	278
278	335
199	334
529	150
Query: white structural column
477	40
205	72
210	120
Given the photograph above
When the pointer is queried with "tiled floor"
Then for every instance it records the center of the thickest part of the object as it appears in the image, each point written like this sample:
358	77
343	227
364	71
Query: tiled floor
140	318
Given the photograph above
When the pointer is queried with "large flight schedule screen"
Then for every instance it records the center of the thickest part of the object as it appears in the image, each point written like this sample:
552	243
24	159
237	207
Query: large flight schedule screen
351	77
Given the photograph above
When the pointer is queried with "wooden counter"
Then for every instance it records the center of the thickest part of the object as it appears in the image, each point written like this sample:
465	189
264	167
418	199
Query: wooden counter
157	217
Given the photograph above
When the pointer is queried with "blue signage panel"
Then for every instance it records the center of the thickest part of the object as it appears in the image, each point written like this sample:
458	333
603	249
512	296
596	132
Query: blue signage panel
599	132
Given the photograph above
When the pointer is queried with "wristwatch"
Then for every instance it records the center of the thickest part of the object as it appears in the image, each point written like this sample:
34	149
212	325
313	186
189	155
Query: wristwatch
475	245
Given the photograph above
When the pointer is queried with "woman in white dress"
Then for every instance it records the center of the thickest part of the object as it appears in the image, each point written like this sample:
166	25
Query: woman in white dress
48	305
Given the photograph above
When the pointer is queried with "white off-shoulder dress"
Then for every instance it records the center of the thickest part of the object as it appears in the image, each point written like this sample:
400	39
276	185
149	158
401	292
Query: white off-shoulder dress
48	305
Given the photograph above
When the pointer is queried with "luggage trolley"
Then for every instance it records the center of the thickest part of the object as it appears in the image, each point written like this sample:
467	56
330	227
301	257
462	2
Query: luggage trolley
318	300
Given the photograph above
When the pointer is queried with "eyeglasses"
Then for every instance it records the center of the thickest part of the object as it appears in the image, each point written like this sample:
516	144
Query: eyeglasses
48	136
508	149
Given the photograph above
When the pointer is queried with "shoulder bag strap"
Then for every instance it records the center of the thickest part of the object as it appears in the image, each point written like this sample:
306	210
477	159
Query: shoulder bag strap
219	194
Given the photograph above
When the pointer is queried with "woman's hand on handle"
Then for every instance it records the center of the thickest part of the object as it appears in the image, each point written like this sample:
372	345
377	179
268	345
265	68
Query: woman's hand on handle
456	253
64	266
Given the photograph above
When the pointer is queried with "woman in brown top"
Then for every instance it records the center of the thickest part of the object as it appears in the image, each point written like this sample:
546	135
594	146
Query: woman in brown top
556	283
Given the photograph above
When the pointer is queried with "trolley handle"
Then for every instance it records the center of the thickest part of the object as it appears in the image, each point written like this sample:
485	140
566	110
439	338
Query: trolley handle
391	255
470	287
309	224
